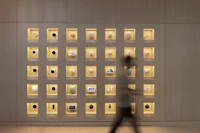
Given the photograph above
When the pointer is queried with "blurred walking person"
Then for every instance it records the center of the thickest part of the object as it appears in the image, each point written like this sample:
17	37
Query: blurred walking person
125	98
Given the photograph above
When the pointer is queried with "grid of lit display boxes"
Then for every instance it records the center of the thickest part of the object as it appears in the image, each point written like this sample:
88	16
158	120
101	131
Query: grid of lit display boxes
90	70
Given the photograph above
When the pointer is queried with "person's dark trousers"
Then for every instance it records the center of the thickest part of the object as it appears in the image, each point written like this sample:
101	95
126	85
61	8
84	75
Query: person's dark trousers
125	112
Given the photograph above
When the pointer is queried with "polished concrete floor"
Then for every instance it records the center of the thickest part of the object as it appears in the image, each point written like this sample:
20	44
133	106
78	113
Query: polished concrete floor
146	129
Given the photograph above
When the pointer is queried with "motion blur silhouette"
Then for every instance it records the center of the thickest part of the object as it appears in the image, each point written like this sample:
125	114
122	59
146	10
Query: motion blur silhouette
125	96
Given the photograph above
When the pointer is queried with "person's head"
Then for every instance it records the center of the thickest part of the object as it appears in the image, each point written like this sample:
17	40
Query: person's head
128	61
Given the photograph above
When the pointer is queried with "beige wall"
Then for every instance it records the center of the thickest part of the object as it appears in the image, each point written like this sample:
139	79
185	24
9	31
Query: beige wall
180	21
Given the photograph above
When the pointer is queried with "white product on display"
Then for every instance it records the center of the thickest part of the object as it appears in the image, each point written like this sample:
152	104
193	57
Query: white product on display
110	35
71	108
147	53
91	89
109	70
91	35
72	71
110	89
147	70
129	53
72	89
35	34
72	53
109	52
128	35
91	70
91	53
34	88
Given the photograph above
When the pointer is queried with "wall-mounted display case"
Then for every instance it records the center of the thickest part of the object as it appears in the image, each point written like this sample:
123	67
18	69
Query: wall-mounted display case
90	108
110	108
90	89
52	35
148	53
71	108
149	72
52	90
149	89
110	35
129	35
71	53
32	108
33	34
52	72
32	90
110	53
148	108
90	53
32	72
52	53
110	71
71	71
91	71
32	53
72	35
110	89
129	51
71	90
91	34
51	108
133	108
148	34
132	86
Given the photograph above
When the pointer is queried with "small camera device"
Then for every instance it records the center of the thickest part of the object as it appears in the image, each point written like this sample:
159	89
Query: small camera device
34	70
53	71
91	89
53	52
54	35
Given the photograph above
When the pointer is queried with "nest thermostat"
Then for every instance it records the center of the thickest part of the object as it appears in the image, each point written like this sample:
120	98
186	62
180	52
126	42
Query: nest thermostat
34	52
34	106
53	52
91	70
34	88
109	70
147	106
54	34
34	70
71	108
53	71
91	106
53	88
110	52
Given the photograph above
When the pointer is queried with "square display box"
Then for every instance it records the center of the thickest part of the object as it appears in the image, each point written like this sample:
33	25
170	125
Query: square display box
52	53
51	108
52	35
133	108
90	90
148	72
149	108
148	35
129	51
90	109
110	72
71	53
110	90
32	90
91	72
52	72
110	53
33	35
148	53
91	35
131	72
149	90
110	108
32	108
32	53
71	72
71	108
110	35
32	72
52	90
91	53
72	35
129	35
71	90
